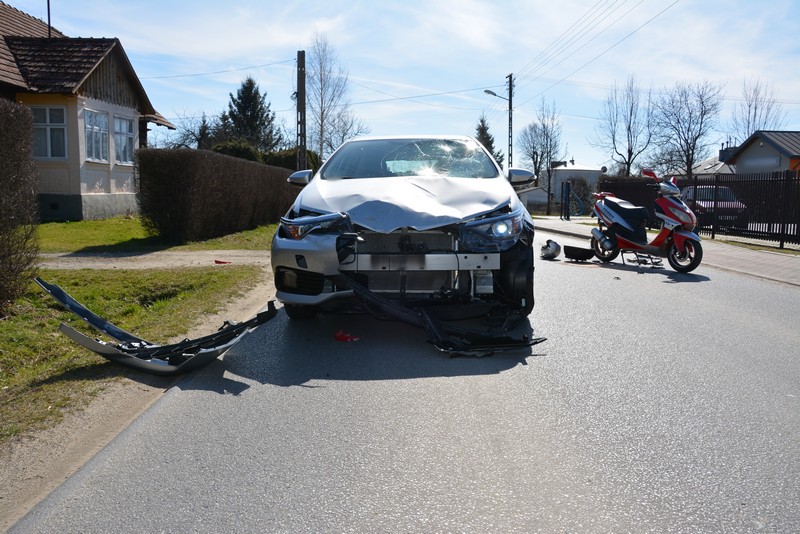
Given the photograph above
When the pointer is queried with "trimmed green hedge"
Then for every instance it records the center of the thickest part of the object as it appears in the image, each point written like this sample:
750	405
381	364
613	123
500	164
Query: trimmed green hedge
19	214
191	195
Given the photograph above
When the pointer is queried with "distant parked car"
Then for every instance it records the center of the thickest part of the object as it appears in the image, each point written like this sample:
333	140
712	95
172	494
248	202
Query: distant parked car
729	209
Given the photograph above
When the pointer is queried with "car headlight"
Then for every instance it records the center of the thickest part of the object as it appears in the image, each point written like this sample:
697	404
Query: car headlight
493	234
302	226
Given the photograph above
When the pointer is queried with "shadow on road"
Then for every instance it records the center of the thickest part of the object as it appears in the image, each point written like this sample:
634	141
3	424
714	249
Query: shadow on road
307	353
670	276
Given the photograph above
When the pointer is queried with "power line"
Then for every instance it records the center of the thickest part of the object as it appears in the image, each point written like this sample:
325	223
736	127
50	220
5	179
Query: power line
599	12
216	72
598	34
416	97
605	51
576	31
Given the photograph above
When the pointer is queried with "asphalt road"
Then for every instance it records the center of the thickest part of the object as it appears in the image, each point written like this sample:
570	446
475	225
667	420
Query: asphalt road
660	402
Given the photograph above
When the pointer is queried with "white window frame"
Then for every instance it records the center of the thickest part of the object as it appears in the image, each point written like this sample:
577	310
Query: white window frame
123	140
96	135
50	129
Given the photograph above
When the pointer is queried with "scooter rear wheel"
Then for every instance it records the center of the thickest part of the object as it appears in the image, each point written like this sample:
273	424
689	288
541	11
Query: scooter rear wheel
602	254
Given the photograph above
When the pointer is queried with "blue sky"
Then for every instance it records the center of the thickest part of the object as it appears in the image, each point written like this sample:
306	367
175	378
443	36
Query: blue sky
421	66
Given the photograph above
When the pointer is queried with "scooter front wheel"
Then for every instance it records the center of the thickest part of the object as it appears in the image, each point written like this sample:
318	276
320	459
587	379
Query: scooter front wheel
602	254
688	260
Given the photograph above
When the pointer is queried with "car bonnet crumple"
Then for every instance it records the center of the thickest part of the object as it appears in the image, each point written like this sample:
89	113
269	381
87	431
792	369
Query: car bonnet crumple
422	203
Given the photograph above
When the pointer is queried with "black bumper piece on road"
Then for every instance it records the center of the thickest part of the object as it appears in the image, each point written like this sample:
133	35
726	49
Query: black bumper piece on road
447	337
137	353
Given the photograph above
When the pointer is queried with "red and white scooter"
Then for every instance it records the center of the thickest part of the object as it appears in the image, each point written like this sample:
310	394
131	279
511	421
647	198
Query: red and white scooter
622	228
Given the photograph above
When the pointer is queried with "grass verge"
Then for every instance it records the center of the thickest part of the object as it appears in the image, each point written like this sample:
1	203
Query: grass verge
43	374
126	234
789	249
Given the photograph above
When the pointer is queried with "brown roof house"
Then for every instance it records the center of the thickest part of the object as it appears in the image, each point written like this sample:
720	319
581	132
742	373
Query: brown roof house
90	113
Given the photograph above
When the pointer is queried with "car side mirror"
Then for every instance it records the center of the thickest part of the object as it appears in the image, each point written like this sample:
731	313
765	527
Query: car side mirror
300	178
522	180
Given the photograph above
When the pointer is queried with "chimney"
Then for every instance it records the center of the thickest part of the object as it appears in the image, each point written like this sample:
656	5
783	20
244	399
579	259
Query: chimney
726	152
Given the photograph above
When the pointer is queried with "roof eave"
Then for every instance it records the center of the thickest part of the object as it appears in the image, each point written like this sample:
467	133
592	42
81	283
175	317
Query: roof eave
159	119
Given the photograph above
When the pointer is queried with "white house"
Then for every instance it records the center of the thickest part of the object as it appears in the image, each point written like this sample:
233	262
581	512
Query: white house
90	113
562	171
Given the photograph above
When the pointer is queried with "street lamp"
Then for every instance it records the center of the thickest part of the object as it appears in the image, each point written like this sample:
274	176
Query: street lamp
510	78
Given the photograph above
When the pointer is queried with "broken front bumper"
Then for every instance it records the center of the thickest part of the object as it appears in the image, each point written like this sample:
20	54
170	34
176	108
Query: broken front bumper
137	353
452	339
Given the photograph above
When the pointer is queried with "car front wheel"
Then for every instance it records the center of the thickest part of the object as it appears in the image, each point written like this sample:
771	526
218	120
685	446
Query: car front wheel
516	278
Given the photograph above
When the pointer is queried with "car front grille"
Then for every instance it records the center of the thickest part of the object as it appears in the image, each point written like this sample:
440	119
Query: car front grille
406	241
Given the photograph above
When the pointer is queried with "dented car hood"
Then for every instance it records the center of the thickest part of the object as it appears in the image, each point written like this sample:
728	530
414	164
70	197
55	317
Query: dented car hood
420	202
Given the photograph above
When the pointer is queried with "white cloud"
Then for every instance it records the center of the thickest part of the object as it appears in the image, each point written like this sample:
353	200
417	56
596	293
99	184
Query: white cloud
419	47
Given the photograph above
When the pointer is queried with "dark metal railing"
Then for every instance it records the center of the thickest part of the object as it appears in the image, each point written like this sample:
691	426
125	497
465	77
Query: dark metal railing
763	206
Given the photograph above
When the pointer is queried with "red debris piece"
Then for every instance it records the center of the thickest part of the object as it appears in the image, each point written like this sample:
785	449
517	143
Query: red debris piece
341	335
221	262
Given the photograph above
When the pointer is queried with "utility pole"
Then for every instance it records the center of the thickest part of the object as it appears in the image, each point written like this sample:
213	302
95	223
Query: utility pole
510	79
510	130
302	160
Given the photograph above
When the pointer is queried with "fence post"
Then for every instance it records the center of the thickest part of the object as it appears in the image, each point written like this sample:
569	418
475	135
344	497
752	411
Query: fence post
785	206
714	205
565	195
696	203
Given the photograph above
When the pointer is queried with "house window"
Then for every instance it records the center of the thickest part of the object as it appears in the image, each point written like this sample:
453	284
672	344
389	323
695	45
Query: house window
123	140
96	135
50	132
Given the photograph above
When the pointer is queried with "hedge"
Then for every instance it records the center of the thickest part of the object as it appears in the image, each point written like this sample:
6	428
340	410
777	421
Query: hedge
19	215
191	195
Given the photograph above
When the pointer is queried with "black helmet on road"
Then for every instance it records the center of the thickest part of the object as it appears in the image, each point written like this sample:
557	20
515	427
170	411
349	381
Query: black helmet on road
550	250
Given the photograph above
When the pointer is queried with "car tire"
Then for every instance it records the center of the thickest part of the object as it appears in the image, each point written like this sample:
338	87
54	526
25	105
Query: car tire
298	312
516	278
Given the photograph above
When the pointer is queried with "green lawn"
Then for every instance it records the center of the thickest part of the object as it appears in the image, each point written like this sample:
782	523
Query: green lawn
126	234
43	374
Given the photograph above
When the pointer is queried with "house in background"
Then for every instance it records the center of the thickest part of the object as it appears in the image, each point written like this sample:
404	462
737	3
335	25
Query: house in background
90	113
766	151
562	171
714	165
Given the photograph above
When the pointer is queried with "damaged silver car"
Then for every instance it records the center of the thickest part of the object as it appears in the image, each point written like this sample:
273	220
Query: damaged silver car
413	222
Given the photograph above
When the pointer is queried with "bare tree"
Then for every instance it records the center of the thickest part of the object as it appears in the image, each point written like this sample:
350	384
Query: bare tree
758	110
530	141
540	142
625	129
330	120
344	125
684	119
191	132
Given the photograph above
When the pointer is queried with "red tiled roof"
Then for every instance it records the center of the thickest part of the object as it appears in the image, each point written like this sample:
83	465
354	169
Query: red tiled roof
57	65
14	22
36	58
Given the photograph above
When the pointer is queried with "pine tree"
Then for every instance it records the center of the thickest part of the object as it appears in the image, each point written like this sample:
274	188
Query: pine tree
487	140
250	119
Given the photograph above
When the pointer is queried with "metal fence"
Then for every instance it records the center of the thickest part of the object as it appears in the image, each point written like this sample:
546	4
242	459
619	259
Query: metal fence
763	206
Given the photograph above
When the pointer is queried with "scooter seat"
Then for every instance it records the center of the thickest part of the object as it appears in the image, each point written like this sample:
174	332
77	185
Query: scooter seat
627	211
